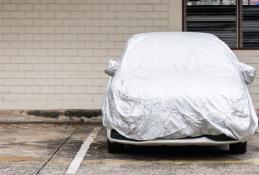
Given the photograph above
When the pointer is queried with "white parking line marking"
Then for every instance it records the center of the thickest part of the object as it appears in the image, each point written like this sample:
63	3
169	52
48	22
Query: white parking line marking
75	164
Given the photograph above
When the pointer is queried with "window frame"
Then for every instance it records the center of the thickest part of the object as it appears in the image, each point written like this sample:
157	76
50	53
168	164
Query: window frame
239	20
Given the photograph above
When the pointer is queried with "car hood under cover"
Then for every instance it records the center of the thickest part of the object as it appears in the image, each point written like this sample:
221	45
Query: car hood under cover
176	85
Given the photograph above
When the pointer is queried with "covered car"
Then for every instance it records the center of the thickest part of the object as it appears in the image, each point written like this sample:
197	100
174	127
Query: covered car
175	85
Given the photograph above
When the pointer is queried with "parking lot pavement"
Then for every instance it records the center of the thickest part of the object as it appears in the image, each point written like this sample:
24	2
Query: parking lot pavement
49	149
170	160
39	149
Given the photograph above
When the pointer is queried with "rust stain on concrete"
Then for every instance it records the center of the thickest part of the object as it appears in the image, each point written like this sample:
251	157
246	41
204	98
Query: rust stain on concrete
14	158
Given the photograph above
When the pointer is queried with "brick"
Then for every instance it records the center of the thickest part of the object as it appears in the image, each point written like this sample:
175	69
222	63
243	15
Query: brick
25	7
47	89
4	30
10	37
162	7
55	97
20	78
77	45
71	7
91	90
18	29
55	82
40	22
4	89
4	45
130	7
70	52
115	7
39	7
70	37
61	1
16	45
25	37
10	97
124	15
39	97
46	44
9	52
77	29
32	1
48	29
145	8
77	15
62	15
160	22
48	15
145	22
60	45
5	1
85	97
62	89
10	7
32	29
71	22
79	1
17	90
78	89
100	82
25	97
84	7
70	97
32	14
32	75
39	82
55	7
55	22
40	37
154	1
32	89
9	22
16	15
100	7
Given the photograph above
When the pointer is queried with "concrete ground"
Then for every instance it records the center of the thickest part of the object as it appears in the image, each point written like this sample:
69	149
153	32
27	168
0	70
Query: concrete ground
48	149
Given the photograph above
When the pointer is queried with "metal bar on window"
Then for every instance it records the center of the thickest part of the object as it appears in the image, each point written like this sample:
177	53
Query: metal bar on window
216	17
184	7
239	23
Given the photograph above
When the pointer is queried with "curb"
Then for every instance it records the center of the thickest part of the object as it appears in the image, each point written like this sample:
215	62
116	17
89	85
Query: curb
75	116
71	116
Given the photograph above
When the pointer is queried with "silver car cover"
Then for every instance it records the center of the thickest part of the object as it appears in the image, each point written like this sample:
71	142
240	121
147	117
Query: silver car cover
179	84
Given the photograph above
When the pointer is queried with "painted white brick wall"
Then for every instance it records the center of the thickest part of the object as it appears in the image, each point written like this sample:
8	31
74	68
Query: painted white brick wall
53	52
251	57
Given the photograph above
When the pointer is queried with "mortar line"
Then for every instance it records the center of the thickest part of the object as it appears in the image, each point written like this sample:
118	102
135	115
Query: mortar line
54	153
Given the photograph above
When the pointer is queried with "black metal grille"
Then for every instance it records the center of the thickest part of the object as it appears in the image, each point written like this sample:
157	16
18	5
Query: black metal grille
216	19
236	22
250	28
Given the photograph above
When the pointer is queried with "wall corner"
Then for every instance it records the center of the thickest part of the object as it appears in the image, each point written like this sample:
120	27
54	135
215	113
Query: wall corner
175	15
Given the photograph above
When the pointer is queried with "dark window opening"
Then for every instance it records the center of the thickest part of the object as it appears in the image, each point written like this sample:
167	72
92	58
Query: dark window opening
236	22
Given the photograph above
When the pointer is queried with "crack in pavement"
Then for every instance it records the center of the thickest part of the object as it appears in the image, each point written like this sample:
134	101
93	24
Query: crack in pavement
56	150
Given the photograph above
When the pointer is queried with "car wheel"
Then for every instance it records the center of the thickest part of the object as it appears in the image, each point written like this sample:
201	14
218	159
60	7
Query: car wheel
114	148
238	148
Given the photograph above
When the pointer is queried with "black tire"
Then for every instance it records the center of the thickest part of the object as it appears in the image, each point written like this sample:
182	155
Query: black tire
115	148
238	148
